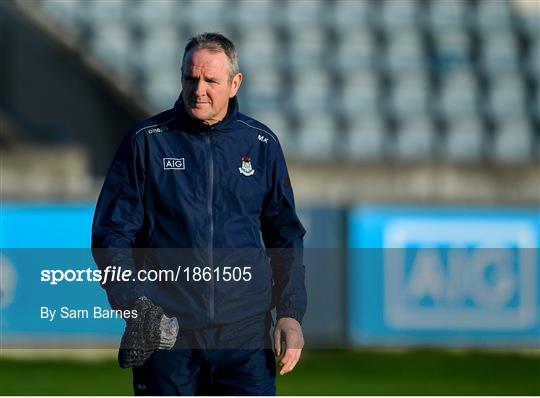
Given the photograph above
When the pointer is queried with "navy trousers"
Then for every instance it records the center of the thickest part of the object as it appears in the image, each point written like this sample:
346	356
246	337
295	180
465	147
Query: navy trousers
233	359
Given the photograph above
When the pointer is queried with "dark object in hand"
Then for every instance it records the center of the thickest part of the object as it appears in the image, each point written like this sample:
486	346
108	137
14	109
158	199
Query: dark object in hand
142	334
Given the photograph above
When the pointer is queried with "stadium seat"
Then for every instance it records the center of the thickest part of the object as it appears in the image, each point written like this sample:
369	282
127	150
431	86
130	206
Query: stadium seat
396	16
208	16
74	14
533	59
464	140
452	51
296	15
105	12
167	12
535	106
355	50
458	97
159	48
310	92
266	81
513	141
360	95
112	44
253	102
499	54
493	15
317	136
410	95
252	15
405	53
259	49
351	15
307	48
444	16
365	140
162	89
507	97
261	90
414	139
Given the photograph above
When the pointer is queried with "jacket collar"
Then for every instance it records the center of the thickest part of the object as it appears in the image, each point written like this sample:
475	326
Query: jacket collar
192	125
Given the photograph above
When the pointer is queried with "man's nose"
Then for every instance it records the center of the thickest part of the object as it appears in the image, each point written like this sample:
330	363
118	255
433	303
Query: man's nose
200	89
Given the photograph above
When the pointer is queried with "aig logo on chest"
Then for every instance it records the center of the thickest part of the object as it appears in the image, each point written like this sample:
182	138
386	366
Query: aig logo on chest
174	164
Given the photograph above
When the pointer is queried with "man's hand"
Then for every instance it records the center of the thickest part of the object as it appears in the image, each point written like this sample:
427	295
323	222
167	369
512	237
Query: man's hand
289	331
151	330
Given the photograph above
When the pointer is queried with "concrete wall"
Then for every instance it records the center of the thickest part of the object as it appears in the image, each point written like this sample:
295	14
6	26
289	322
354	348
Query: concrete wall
416	183
52	92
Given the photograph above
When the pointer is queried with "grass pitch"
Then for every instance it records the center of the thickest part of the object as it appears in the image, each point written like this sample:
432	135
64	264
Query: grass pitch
323	372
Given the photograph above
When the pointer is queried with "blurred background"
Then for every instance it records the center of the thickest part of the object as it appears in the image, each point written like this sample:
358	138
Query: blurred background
407	124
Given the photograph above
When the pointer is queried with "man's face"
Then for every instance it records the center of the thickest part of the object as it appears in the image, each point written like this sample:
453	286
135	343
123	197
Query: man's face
206	88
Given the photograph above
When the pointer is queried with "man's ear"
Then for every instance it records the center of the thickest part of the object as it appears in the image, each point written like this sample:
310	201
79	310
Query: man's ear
235	84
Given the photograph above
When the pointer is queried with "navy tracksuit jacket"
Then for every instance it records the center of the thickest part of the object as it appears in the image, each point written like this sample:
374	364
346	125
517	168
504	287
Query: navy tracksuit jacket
176	183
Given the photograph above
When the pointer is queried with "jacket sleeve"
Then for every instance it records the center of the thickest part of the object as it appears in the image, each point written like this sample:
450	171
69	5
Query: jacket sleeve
283	236
118	217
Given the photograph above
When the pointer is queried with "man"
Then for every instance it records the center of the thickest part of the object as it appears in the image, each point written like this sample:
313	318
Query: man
203	176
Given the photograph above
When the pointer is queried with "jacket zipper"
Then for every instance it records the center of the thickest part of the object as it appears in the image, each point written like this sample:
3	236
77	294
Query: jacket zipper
211	216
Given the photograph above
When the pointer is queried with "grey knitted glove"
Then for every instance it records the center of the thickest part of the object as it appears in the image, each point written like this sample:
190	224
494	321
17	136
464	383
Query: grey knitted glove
150	331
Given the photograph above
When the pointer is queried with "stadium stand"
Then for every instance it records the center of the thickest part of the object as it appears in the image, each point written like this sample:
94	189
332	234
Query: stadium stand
455	65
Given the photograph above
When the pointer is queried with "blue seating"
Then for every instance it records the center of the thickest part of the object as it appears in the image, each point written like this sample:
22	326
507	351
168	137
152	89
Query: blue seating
308	97
112	44
359	66
360	95
260	49
355	50
493	15
317	136
396	16
162	88
71	13
414	140
458	96
507	98
365	140
465	140
513	141
349	16
159	49
448	16
410	96
499	54
405	53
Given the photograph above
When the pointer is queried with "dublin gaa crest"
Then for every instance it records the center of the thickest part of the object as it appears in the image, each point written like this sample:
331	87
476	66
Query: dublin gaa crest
246	168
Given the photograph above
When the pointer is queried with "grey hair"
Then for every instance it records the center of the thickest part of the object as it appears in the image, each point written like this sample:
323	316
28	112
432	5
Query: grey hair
214	42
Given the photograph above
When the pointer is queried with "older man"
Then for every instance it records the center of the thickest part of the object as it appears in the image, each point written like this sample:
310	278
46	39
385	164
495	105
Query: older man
204	176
